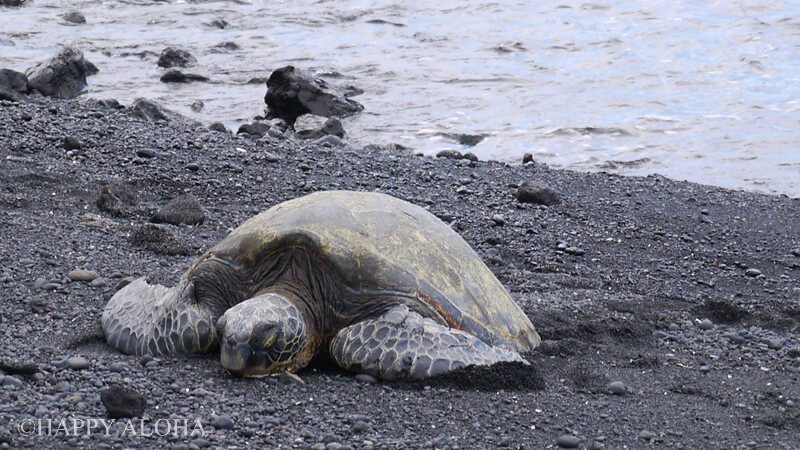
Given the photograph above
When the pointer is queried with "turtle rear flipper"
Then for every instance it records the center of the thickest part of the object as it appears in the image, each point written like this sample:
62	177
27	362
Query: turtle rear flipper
144	319
401	344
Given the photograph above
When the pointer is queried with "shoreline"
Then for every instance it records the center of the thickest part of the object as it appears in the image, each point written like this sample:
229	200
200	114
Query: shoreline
687	296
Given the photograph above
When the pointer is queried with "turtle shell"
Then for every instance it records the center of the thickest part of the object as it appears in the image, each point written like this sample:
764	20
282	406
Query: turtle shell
375	243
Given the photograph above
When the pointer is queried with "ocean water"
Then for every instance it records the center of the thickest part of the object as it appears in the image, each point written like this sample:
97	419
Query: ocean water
706	91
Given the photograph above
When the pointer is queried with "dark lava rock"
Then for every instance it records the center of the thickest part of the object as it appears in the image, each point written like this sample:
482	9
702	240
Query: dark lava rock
122	402
12	85
452	154
75	17
72	143
110	103
254	129
117	199
568	441
150	111
228	46
176	76
146	153
218	126
184	209
175	57
223	422
158	240
471	156
293	92
18	367
526	158
533	192
332	127
62	76
12	2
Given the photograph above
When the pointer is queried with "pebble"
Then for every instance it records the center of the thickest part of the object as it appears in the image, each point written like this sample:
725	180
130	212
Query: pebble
532	192
498	219
617	388
736	338
75	17
568	441
577	251
366	378
775	344
78	363
82	275
72	143
360	427
194	167
146	152
526	158
99	282
706	324
752	272
452	154
223	422
796	252
646	435
124	282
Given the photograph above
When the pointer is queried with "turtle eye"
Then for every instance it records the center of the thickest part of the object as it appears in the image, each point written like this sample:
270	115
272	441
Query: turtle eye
265	333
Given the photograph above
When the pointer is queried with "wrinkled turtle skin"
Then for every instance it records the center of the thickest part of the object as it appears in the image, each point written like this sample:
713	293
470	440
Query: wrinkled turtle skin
380	285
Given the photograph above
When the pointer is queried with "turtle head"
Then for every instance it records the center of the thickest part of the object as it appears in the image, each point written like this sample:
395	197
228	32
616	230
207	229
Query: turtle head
265	334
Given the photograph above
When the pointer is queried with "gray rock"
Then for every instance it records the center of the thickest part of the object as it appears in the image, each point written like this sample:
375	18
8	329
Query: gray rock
82	275
176	76
62	76
568	441
218	127
175	57
146	153
617	388
11	381
533	192
254	129
752	272
526	158
78	363
184	209
121	401
149	111
293	92
775	343
75	17
646	435
308	127
72	143
705	324
99	282
451	154
13	85
223	422
498	219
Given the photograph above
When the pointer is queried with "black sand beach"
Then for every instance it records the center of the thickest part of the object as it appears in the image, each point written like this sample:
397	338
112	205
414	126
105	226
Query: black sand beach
669	311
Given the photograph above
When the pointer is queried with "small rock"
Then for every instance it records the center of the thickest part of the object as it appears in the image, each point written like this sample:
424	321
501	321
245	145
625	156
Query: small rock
150	111
99	282
223	422
796	252
366	378
254	129
793	352
469	156
122	402
360	427
75	17
176	76
78	363
11	381
532	192
145	153
293	92
175	57
568	441
82	275
117	199
752	272
775	344
526	158
498	219
736	338
72	143
617	388
290	378
706	324
577	251
451	154
62	76
218	127
646	435
124	282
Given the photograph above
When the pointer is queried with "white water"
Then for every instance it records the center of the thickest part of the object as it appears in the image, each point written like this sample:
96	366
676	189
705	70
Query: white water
707	91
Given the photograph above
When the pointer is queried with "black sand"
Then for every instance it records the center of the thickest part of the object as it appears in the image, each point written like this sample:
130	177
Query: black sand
687	296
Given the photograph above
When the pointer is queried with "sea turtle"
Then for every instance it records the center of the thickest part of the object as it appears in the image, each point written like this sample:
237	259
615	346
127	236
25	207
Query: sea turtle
378	284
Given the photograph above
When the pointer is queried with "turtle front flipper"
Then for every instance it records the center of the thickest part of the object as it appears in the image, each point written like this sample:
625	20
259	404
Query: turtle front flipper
144	319
401	344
